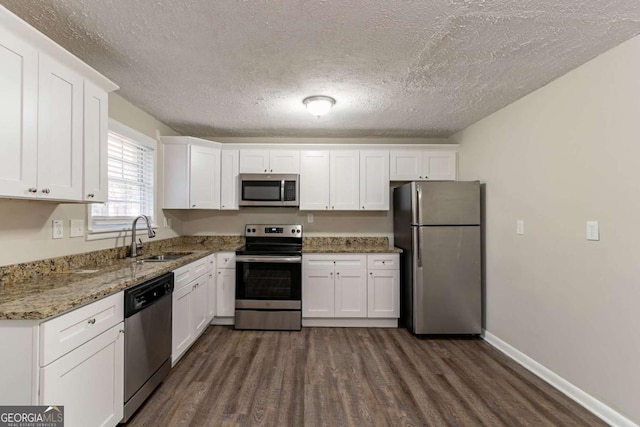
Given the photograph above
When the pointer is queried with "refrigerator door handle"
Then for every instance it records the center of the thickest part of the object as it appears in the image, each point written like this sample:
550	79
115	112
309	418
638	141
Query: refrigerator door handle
418	204
418	247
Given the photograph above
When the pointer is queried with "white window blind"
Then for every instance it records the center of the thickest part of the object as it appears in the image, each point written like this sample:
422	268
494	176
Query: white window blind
130	185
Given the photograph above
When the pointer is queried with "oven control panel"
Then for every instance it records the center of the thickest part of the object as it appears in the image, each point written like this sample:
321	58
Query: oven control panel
273	230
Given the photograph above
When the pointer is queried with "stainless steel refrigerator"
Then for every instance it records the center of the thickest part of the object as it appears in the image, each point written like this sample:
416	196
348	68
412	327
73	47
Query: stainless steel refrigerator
437	225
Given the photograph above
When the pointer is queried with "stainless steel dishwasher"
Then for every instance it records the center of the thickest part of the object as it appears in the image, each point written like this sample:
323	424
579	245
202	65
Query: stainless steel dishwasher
147	345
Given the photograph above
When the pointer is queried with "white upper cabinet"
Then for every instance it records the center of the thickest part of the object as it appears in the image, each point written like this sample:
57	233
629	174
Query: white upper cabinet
47	120
60	131
374	180
204	171
18	116
314	180
191	174
270	161
229	181
96	116
344	180
412	165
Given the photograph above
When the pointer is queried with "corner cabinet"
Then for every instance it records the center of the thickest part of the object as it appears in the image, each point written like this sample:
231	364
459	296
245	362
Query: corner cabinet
419	165
345	290
191	174
48	120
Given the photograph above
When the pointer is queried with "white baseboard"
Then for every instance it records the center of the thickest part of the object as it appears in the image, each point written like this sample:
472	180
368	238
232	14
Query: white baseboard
223	321
592	404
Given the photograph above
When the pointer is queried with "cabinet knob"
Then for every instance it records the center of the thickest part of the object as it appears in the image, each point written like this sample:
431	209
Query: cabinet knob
91	321
271	170
33	190
371	273
363	207
420	177
338	273
333	207
121	331
326	207
265	170
91	195
46	191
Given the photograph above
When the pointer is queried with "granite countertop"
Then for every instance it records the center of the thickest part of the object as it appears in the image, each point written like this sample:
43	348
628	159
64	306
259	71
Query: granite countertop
49	295
43	289
365	245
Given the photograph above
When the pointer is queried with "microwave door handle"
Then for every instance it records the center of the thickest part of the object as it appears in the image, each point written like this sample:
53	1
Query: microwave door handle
282	190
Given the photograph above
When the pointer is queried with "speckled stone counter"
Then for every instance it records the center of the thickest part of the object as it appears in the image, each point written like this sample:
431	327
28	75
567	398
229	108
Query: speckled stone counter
43	289
347	245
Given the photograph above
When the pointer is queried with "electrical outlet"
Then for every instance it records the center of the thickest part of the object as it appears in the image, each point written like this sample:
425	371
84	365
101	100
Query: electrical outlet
520	226
310	218
58	229
593	230
76	228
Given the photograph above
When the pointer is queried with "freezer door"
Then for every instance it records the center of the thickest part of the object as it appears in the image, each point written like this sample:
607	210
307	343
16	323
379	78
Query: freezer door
446	202
447	289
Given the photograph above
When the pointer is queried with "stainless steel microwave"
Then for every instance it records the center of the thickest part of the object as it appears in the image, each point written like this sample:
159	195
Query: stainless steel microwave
269	190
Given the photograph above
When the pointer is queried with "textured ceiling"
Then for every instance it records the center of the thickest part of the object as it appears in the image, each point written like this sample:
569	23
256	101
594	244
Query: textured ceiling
415	68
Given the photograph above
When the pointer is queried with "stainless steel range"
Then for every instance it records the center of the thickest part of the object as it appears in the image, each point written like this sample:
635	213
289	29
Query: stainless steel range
269	278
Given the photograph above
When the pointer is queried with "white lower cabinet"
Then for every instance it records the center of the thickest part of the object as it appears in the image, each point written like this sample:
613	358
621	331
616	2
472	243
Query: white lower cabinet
350	290
190	306
383	286
211	285
88	381
226	287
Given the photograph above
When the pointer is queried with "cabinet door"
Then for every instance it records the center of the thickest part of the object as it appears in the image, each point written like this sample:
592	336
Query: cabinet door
229	181
440	165
211	306
200	297
96	115
226	298
18	116
176	176
314	180
344	180
351	292
254	161
318	293
405	165
60	111
88	382
204	173
284	161
181	326
383	293
374	180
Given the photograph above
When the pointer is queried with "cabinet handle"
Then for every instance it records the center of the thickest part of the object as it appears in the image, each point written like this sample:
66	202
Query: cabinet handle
333	207
420	177
46	191
326	207
91	195
338	273
363	207
121	331
271	170
91	321
33	190
265	170
371	273
193	206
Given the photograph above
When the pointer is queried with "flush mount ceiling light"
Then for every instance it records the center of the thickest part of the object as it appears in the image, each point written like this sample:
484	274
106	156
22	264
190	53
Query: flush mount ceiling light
319	105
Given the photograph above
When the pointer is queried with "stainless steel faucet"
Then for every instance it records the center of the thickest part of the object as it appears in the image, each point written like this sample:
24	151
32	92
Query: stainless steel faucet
135	246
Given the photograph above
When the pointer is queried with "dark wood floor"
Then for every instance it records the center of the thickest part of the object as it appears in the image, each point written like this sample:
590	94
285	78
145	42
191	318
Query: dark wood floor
352	377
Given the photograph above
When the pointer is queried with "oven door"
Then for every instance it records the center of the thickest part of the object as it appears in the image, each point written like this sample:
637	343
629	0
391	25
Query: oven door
268	282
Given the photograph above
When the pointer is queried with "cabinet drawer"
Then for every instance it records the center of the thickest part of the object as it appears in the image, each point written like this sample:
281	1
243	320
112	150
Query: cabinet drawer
187	273
226	260
321	261
61	335
383	262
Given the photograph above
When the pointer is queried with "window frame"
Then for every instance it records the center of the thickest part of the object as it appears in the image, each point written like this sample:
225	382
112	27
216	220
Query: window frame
147	142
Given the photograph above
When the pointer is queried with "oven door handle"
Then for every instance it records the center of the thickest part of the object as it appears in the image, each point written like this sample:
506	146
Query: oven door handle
263	259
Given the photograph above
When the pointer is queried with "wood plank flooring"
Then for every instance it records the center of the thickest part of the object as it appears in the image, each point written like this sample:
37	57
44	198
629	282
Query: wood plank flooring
352	377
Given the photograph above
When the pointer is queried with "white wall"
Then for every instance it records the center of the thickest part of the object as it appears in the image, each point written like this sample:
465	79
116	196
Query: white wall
25	226
563	155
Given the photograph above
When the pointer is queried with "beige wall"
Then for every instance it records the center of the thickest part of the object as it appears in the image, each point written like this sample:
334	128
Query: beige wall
25	226
563	155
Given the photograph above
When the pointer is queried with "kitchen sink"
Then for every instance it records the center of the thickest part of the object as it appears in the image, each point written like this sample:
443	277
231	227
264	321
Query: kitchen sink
169	256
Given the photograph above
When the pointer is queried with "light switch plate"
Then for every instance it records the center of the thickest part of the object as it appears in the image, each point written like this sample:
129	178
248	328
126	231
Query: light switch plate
593	230
520	226
76	228
310	218
58	229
